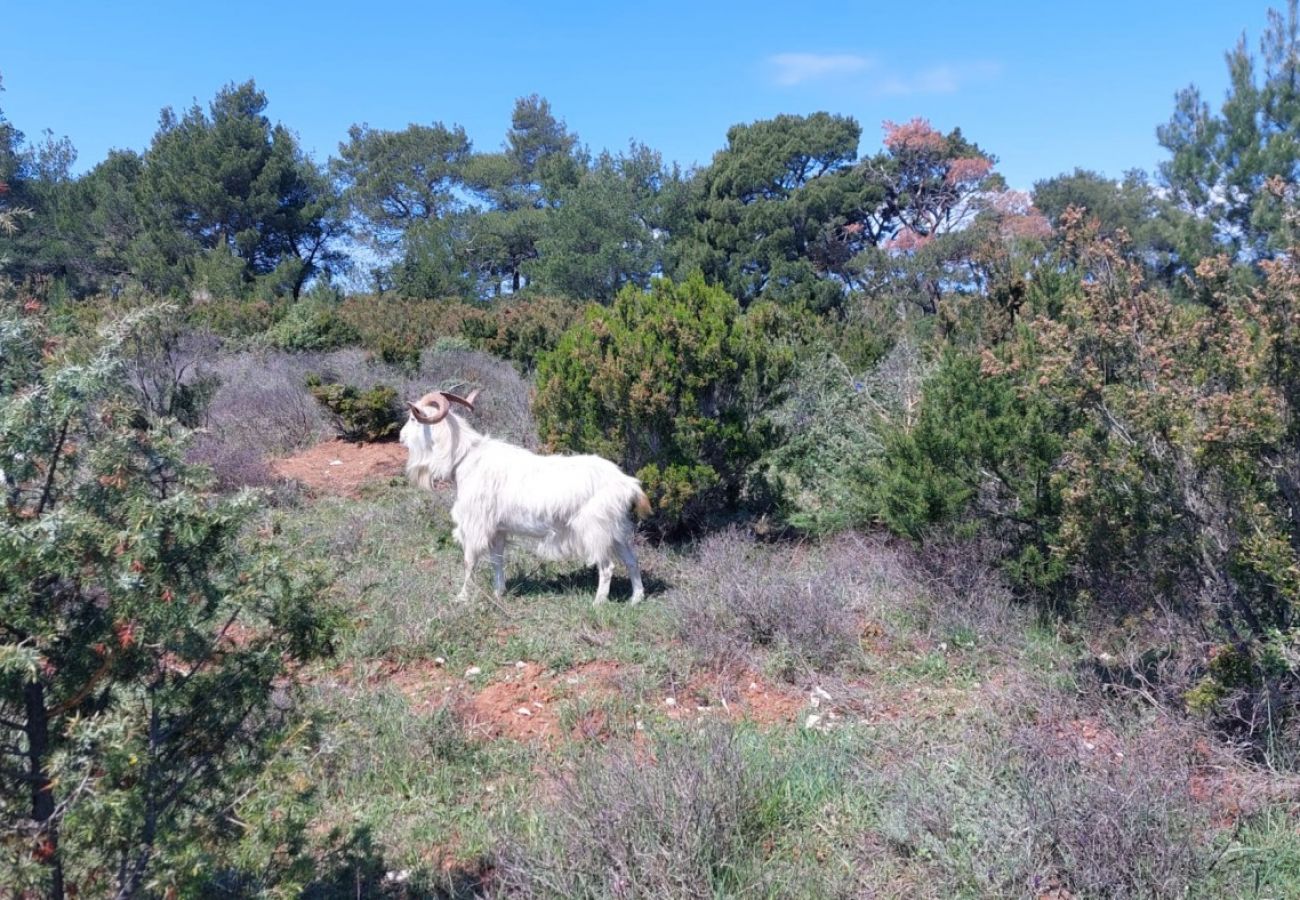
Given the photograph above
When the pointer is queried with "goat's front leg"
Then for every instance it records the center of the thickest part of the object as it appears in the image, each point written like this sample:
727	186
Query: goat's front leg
606	570
498	552
471	559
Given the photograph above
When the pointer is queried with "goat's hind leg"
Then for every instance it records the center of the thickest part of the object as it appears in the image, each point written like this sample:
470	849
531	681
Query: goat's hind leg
605	568
628	556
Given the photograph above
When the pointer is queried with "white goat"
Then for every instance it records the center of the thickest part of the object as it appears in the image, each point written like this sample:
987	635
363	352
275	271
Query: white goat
576	506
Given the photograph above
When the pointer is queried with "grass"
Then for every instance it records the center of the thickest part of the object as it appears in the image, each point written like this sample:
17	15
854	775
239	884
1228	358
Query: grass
950	759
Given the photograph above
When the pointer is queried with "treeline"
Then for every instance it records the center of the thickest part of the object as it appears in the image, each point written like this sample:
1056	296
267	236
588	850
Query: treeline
224	203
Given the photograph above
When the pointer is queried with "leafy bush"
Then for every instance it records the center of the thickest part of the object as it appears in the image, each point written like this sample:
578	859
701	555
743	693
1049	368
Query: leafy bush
237	318
832	423
312	323
132	717
978	446
358	415
1133	452
398	330
671	383
522	330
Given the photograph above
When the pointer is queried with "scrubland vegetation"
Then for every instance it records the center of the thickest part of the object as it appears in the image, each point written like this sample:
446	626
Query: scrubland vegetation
974	568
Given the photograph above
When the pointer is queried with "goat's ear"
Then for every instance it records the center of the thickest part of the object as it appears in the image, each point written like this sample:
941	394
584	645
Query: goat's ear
473	395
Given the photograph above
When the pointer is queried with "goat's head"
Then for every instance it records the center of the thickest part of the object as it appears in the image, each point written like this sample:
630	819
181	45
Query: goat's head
433	407
431	438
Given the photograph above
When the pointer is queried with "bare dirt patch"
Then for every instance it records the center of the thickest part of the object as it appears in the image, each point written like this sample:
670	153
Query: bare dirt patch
523	703
341	468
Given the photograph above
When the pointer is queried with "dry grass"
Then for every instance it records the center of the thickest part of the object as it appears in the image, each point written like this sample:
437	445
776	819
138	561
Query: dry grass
738	597
675	819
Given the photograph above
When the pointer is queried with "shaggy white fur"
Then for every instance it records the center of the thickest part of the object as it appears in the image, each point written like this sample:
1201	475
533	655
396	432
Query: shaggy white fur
576	507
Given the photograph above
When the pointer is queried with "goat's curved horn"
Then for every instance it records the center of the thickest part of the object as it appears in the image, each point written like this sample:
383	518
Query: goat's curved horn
467	402
441	406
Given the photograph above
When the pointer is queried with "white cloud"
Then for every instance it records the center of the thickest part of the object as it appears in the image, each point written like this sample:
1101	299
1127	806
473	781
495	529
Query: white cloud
943	79
798	68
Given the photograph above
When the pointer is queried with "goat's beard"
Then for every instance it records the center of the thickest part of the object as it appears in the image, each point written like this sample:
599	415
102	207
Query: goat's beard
428	461
422	476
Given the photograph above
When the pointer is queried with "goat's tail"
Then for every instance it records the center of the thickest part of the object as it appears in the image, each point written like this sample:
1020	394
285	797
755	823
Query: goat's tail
642	507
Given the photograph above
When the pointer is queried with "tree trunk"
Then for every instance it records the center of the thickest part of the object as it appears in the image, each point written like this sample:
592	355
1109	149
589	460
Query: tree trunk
38	752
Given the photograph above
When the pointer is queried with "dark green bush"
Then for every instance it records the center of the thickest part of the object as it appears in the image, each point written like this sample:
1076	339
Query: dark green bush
672	383
313	324
235	318
358	415
978	447
398	330
134	723
521	331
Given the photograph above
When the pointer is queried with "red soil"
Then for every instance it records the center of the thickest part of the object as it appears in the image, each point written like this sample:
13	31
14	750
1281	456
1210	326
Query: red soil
490	703
339	467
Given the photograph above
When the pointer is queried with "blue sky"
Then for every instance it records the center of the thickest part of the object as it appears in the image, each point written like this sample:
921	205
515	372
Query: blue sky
1045	87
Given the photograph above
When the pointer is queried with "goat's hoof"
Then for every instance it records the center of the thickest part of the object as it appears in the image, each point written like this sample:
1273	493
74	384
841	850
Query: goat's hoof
636	598
599	601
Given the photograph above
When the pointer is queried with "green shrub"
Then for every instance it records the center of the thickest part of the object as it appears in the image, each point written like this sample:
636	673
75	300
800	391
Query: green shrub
133	718
313	324
398	330
832	422
358	415
236	318
978	446
521	331
672	383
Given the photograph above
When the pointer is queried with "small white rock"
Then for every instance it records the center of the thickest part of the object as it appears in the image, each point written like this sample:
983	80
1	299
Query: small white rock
439	661
820	692
399	876
524	711
520	664
669	701
336	462
640	726
472	671
814	701
538	704
812	721
753	685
